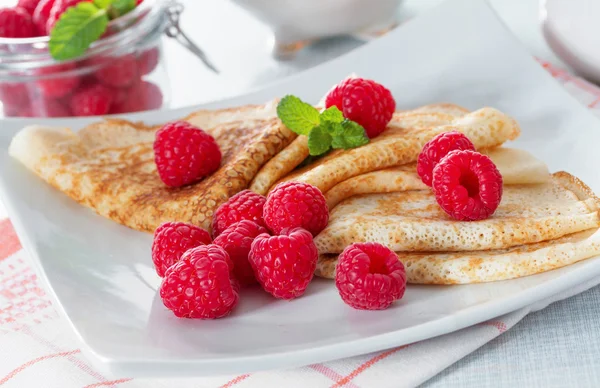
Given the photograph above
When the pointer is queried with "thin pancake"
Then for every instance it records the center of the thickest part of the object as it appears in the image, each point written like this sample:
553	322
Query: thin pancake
109	166
413	221
288	159
489	266
516	167
486	128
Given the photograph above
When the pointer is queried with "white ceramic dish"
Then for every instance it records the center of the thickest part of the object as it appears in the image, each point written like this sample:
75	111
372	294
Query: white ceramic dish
101	275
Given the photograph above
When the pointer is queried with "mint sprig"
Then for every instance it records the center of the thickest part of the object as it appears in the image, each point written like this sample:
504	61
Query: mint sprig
325	130
81	25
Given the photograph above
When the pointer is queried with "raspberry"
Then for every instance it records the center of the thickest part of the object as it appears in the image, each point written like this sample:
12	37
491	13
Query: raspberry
184	153
438	147
467	185
200	285
364	101
119	72
59	7
142	96
16	23
369	276
58	80
14	95
91	100
148	60
41	107
237	240
171	240
245	205
41	16
295	204
284	265
28	5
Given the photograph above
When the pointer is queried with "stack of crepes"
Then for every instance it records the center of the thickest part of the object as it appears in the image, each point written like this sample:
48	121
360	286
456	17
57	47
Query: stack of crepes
374	193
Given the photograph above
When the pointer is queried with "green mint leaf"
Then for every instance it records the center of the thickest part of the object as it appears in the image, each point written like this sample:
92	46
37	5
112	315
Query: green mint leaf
103	4
120	8
352	135
76	30
332	114
297	115
319	140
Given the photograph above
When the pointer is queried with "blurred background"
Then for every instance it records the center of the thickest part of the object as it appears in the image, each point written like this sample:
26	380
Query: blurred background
238	39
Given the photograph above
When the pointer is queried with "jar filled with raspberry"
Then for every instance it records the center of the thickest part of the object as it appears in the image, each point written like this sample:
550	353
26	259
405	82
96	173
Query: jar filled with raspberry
120	71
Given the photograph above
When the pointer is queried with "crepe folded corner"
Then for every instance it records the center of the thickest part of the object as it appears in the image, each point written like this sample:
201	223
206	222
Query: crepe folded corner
109	166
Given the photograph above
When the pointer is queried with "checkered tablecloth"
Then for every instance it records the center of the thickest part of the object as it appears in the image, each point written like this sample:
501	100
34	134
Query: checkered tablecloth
37	349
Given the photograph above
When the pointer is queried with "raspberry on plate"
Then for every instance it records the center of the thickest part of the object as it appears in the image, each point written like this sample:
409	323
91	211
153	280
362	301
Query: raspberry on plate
93	100
172	240
438	147
296	204
16	23
28	5
56	82
245	205
369	276
120	72
364	101
201	285
284	265
237	240
41	16
184	154
467	185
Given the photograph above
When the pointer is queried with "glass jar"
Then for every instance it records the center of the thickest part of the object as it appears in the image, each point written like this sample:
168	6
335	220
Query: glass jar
120	73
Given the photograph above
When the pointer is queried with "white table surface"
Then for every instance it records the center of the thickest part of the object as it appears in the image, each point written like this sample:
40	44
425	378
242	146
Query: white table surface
556	347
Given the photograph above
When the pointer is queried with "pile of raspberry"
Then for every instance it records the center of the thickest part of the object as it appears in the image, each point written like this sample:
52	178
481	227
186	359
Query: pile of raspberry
266	241
467	184
97	86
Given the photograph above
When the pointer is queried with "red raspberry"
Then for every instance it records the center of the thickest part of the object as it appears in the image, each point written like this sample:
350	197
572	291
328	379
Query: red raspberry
148	60
201	285
119	72
14	95
57	81
369	276
16	23
284	265
245	205
172	240
184	153
41	16
467	185
438	147
42	107
92	100
142	96
59	7
364	101
295	204
237	240
28	5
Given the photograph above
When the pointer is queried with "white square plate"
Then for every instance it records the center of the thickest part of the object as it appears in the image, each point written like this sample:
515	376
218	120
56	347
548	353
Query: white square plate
101	274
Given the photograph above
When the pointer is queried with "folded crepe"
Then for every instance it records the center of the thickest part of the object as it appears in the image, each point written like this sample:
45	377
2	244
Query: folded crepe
486	128
287	160
109	166
516	166
413	220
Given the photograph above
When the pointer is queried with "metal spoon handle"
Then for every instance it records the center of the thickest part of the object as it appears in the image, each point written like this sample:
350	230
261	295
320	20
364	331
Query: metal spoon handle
174	31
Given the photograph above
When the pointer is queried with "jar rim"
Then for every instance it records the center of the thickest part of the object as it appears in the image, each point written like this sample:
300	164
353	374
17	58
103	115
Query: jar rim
26	53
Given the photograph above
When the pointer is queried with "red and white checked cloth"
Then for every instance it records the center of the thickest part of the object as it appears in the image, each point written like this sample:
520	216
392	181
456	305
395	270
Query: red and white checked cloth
37	349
